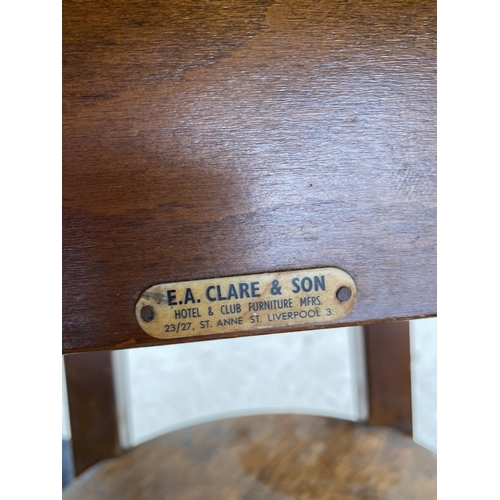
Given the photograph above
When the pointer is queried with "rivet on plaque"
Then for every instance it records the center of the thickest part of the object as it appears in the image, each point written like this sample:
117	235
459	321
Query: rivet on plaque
246	303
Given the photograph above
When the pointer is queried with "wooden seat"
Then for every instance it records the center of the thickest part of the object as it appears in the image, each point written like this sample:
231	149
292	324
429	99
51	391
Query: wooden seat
210	139
267	457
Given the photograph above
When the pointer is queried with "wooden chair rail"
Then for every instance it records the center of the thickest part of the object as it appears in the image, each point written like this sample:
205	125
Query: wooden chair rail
208	139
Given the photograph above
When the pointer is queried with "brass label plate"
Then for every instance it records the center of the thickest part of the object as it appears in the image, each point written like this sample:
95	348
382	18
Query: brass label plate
246	303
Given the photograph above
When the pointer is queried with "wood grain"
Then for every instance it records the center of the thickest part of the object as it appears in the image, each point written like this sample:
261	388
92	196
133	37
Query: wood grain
204	139
267	457
92	408
387	347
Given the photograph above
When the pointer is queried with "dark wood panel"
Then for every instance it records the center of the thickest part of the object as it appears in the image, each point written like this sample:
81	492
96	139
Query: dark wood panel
206	139
387	347
92	408
267	457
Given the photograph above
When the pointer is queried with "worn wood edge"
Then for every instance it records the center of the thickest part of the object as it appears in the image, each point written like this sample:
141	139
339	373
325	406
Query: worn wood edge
131	344
257	413
387	430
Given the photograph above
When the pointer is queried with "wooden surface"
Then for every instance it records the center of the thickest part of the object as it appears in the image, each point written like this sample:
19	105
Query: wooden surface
92	408
387	348
274	457
207	139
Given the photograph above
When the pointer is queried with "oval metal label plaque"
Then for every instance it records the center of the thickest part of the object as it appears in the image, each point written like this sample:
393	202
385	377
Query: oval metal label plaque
246	303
